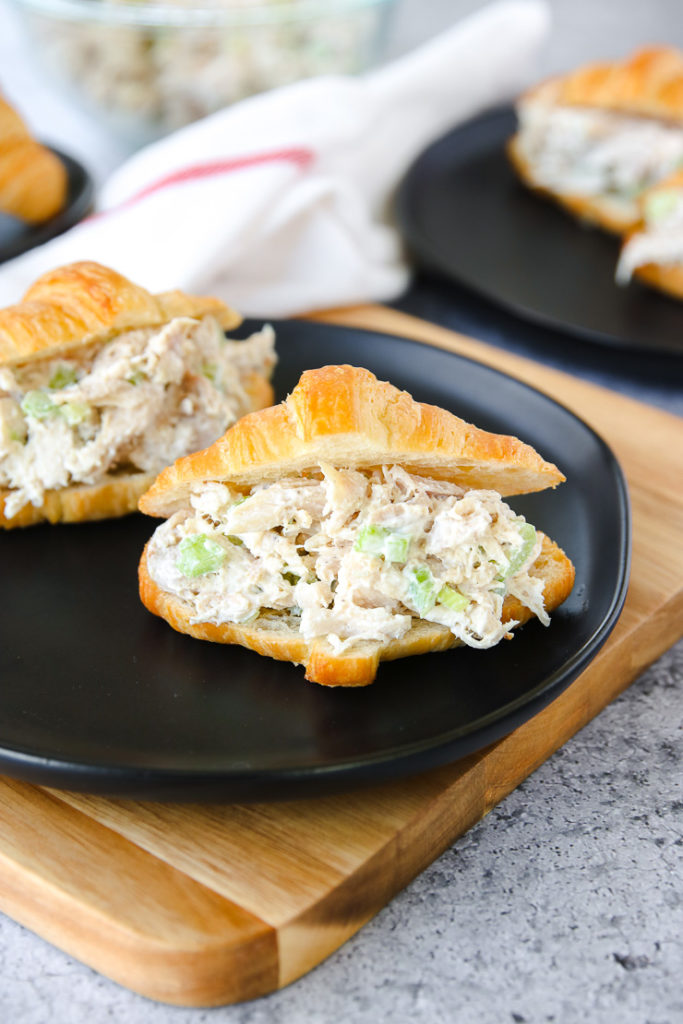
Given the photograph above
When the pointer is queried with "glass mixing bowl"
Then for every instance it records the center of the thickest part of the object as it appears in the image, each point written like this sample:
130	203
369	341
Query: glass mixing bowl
148	67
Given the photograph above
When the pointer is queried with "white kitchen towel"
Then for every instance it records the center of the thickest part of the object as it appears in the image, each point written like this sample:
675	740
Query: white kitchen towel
279	204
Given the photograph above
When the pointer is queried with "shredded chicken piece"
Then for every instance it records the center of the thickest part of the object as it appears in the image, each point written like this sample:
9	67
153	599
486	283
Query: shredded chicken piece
312	547
137	403
660	241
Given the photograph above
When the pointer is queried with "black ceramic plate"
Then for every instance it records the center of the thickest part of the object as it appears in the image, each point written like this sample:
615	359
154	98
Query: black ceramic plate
17	237
98	694
465	215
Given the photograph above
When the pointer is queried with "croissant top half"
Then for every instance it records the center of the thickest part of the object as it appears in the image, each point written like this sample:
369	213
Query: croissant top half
649	83
84	303
344	416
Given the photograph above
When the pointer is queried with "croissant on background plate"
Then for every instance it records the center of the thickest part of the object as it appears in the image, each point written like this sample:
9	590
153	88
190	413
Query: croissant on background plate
595	139
102	384
33	180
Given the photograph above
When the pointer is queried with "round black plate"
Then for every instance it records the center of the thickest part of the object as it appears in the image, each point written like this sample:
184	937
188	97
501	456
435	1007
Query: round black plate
97	694
465	215
17	237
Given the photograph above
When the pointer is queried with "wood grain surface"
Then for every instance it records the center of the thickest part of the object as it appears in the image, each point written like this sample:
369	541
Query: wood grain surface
203	905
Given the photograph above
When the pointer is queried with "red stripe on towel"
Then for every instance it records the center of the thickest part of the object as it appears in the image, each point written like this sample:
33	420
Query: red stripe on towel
212	169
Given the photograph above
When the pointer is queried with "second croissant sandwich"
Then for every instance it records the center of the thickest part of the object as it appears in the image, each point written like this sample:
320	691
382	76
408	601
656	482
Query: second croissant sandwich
102	384
596	138
348	525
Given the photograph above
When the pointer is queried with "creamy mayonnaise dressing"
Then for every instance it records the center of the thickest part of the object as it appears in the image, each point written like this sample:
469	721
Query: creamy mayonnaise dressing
586	152
137	403
351	555
660	241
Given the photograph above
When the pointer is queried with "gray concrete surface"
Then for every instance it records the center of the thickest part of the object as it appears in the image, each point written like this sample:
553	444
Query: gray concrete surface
582	29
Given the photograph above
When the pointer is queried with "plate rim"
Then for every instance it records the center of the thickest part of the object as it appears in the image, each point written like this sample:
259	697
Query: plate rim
393	762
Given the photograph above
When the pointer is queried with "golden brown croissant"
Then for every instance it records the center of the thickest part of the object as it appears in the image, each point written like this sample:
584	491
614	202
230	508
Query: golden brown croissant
308	532
33	180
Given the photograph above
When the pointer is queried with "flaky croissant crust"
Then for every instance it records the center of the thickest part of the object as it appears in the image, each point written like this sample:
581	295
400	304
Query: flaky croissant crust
648	83
85	303
33	180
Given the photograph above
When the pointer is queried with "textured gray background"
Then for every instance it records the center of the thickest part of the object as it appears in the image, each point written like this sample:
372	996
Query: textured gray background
566	903
582	29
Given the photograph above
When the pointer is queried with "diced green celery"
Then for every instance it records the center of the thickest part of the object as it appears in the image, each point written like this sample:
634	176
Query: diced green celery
291	577
38	404
396	548
62	377
370	540
661	205
235	540
75	412
137	377
252	617
378	540
422	590
210	371
452	599
520	554
199	554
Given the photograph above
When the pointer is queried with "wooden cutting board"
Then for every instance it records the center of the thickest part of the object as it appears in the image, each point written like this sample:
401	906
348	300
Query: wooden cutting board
214	904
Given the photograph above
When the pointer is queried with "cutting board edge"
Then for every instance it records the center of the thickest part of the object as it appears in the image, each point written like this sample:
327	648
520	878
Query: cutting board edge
204	977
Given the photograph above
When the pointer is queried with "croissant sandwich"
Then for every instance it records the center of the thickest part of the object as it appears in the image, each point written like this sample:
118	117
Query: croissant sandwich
33	180
595	139
103	384
348	525
653	251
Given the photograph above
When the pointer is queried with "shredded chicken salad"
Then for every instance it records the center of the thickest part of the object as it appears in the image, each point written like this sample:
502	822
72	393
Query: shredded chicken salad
147	75
590	152
137	403
351	556
661	240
